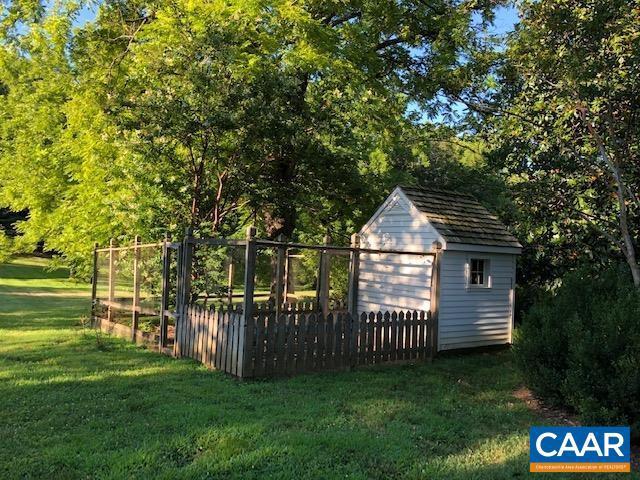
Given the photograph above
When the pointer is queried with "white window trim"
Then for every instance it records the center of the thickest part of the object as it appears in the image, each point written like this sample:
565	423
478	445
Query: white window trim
487	273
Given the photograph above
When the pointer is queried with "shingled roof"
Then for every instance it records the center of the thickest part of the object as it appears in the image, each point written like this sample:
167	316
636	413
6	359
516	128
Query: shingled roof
459	218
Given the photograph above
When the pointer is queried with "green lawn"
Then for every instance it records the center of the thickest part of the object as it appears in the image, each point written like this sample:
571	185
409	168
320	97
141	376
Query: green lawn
75	407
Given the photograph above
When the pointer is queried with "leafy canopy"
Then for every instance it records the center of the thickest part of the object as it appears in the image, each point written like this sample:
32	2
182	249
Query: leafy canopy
157	115
563	123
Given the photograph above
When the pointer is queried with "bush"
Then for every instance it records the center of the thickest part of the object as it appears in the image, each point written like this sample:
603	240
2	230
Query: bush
580	347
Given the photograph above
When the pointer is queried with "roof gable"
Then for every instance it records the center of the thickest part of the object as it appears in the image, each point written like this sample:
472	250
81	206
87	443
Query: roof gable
459	218
396	200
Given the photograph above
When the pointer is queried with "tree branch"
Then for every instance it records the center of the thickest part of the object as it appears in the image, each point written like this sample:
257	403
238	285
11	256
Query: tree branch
389	43
484	107
336	22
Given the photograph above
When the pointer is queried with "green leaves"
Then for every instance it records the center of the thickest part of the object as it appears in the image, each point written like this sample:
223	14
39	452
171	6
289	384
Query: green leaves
567	88
211	114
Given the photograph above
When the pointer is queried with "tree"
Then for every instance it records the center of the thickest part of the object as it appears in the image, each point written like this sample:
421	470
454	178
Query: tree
61	158
212	113
298	78
565	123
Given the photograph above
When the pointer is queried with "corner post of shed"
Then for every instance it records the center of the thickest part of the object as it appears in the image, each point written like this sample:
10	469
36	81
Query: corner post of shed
112	279
135	307
251	250
164	302
94	283
434	304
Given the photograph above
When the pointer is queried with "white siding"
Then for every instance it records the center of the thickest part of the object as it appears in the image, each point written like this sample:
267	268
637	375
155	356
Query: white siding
395	281
470	317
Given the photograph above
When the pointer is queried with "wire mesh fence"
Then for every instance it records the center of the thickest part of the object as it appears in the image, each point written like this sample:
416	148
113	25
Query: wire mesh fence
128	286
218	275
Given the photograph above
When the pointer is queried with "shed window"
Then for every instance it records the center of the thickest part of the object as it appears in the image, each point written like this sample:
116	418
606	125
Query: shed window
478	272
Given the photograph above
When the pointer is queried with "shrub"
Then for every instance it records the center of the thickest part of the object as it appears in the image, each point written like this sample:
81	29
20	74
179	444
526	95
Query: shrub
580	347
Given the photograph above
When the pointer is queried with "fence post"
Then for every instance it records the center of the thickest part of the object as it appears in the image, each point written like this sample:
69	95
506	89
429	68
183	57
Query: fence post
94	283
435	299
243	357
323	279
352	299
178	326
164	301
354	275
288	279
280	275
135	307
187	252
230	280
183	287
112	280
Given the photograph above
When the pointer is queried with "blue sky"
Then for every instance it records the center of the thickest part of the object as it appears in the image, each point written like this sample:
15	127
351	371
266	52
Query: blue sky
506	18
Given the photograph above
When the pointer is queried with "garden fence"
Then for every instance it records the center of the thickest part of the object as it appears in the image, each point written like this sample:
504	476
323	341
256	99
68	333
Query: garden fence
249	338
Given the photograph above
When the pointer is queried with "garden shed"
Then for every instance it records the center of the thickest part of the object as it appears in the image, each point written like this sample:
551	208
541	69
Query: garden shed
475	293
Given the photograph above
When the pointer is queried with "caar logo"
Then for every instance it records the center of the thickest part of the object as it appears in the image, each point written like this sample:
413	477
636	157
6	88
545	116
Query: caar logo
579	449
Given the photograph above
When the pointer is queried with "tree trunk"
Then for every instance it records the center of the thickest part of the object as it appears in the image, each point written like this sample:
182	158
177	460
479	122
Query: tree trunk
281	217
280	220
628	247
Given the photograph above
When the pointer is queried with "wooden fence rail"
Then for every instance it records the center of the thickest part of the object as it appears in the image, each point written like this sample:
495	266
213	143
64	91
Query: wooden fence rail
295	342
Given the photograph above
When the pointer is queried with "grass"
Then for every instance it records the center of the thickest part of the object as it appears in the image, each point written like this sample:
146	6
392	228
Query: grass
75	405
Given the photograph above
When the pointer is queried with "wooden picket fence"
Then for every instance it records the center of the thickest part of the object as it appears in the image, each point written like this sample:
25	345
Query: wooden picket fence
299	341
211	336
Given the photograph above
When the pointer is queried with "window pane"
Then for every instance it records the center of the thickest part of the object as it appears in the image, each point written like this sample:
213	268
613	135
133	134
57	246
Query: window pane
477	271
